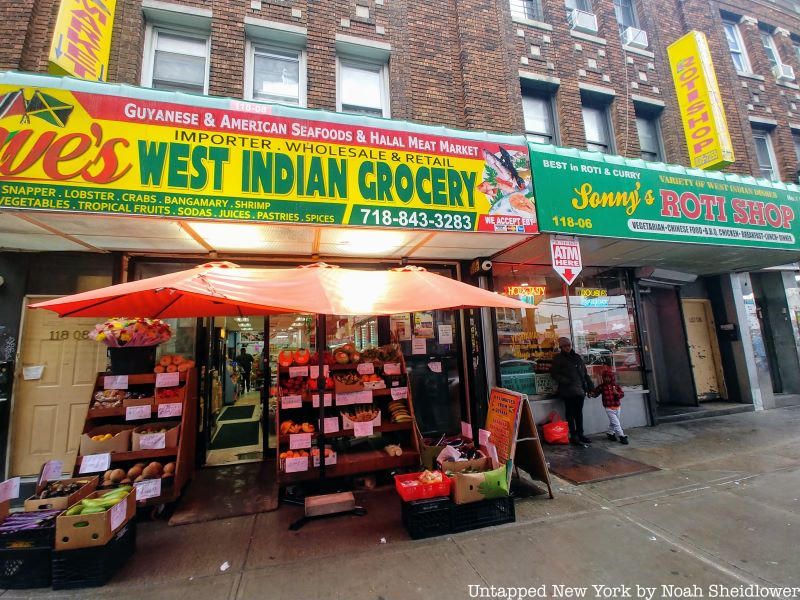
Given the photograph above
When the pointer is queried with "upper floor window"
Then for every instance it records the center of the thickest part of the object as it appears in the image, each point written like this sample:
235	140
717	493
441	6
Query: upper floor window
796	142
736	47
597	128
626	15
530	10
770	49
276	75
537	108
363	87
584	5
176	61
765	154
649	130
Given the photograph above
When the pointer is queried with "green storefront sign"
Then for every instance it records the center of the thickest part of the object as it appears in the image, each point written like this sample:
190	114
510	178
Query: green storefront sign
609	196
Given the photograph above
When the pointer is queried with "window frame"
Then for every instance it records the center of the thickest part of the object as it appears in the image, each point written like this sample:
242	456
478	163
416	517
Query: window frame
655	119
360	62
742	49
609	126
770	48
584	5
251	47
151	41
548	97
634	15
766	135
535	5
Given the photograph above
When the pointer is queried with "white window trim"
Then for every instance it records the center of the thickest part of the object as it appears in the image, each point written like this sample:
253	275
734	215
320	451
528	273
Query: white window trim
655	119
773	47
384	76
148	60
249	65
742	48
773	159
548	97
605	109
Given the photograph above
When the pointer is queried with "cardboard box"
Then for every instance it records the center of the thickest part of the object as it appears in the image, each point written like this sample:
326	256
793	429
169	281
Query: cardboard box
96	529
345	388
149	401
467	488
170	436
476	464
62	502
180	396
121	442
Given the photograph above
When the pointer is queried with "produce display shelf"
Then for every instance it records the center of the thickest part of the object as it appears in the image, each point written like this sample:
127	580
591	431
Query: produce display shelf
118	457
284	439
139	378
358	462
101	413
336	367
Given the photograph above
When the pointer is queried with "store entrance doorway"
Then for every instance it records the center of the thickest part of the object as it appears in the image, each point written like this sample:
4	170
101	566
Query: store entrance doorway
59	364
704	350
670	376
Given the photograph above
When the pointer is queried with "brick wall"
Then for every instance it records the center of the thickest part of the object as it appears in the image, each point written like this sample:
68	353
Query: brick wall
457	62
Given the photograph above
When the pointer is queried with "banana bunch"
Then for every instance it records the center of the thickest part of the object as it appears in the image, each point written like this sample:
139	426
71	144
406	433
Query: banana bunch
362	415
99	504
399	412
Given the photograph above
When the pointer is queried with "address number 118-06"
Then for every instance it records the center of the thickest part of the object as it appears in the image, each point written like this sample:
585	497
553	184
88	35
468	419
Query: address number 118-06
572	222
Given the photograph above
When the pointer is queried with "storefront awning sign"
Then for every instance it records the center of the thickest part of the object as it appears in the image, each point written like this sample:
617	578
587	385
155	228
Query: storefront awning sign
82	39
610	196
74	146
566	256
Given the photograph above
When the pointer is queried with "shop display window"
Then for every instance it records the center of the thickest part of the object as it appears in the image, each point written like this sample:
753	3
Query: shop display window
598	315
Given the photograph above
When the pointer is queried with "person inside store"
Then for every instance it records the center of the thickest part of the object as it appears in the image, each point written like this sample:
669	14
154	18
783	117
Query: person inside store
569	372
246	365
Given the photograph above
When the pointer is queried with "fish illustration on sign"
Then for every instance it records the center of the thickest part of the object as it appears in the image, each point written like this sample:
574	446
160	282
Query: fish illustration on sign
507	183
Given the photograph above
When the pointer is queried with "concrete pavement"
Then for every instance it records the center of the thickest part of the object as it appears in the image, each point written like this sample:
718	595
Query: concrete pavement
723	511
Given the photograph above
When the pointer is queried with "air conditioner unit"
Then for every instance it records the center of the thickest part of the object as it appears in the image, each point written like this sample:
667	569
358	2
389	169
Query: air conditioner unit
635	38
783	72
584	22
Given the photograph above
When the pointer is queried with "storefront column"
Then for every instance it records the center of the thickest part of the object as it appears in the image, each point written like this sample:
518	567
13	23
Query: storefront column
745	365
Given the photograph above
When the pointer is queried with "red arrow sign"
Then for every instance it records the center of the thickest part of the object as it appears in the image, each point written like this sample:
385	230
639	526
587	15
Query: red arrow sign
566	256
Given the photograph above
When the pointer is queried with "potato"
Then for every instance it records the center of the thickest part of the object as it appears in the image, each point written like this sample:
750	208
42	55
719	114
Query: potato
151	473
127	480
156	465
169	468
107	475
118	475
138	479
134	472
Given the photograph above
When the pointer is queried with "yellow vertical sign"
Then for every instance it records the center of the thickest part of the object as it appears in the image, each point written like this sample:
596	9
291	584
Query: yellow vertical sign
82	39
699	101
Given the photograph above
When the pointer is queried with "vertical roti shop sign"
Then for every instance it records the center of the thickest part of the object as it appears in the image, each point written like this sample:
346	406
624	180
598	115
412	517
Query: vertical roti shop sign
566	256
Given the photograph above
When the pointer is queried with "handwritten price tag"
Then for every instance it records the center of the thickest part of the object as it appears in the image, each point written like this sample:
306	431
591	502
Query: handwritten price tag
466	430
94	463
366	368
345	399
419	345
292	402
153	441
9	489
299	440
149	488
364	397
118	513
391	368
328	400
173	409
296	465
51	471
331	424
298	371
115	382
168	379
483	437
314	371
399	393
136	413
435	366
362	429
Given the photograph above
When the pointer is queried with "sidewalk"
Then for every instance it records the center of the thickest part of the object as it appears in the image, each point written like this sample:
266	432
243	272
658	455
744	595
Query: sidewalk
724	509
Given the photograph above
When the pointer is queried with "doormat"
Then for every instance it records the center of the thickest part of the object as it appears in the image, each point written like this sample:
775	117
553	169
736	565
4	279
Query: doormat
216	493
579	465
233	435
237	413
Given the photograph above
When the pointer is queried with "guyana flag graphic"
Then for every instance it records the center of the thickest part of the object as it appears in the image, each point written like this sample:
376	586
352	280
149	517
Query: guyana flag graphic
41	106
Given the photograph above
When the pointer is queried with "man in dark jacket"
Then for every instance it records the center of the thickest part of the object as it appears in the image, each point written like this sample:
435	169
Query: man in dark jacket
569	372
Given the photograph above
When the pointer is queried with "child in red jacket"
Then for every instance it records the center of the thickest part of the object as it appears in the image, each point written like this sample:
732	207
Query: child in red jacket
611	395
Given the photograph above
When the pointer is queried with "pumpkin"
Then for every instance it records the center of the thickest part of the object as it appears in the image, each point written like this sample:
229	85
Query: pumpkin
301	357
285	358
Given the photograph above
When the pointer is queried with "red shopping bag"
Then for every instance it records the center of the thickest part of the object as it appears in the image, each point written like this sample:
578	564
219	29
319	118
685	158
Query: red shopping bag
556	430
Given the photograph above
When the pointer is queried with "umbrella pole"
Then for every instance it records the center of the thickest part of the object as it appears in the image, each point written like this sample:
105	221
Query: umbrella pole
321	335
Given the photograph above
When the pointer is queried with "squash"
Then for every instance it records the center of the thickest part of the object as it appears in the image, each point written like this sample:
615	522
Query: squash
285	358
301	357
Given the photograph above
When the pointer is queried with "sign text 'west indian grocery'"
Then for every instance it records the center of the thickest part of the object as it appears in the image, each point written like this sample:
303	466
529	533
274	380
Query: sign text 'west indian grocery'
589	194
700	103
81	40
93	153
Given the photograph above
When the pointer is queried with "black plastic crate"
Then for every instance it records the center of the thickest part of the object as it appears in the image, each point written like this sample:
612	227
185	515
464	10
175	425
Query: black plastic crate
25	567
485	513
427	518
40	537
93	567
